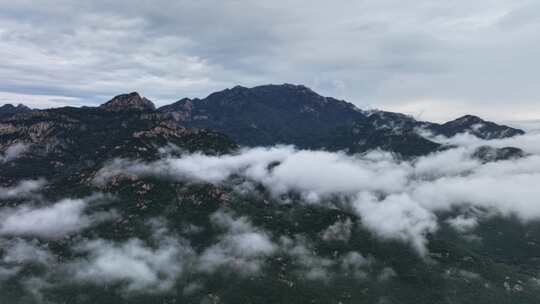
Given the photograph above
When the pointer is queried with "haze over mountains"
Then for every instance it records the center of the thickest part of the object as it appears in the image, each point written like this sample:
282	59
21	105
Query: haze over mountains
271	194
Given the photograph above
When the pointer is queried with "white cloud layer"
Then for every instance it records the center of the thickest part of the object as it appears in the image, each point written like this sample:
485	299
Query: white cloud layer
394	199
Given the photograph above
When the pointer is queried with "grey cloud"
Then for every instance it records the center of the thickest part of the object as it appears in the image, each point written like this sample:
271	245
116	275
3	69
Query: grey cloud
339	231
150	266
23	189
13	152
355	264
242	248
18	252
424	57
386	274
312	266
139	266
143	268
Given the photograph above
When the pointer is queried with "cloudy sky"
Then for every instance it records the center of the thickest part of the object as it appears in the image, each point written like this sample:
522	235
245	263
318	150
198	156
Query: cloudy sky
432	59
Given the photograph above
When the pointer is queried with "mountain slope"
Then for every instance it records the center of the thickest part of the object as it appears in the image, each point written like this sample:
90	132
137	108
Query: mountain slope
68	140
477	127
289	114
267	115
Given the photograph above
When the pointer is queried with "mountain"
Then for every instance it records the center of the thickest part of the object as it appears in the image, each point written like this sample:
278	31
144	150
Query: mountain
266	115
10	110
489	154
291	114
128	102
477	127
68	141
125	203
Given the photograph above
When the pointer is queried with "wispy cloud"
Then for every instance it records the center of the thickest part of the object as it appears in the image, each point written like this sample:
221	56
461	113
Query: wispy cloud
50	221
23	189
242	248
13	152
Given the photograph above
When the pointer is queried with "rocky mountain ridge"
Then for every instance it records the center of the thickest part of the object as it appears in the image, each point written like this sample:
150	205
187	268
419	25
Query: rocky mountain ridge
281	114
291	114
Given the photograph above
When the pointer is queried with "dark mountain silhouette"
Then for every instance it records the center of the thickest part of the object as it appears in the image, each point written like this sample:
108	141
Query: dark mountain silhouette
259	116
291	114
10	110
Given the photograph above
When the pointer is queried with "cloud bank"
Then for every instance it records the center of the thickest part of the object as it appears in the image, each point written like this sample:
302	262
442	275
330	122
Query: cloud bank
400	200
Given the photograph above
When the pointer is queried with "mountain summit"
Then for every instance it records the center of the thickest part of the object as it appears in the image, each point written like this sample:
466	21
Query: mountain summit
9	109
131	101
294	114
266	115
478	127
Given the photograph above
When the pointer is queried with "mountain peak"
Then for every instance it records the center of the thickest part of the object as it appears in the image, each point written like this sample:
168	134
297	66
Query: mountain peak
9	106
9	109
468	119
286	87
131	101
479	127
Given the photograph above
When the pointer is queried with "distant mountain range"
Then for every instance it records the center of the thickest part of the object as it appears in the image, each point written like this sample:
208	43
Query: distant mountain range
281	114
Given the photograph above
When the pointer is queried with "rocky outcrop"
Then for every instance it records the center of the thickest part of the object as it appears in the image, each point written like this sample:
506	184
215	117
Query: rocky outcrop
128	102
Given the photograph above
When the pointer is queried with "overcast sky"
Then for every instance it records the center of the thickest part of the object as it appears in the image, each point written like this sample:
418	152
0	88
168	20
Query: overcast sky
433	59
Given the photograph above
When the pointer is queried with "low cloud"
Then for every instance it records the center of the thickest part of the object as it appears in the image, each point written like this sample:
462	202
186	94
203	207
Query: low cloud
394	199
354	264
463	223
136	265
312	266
241	248
22	190
13	152
18	252
339	231
397	217
141	266
51	221
293	170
